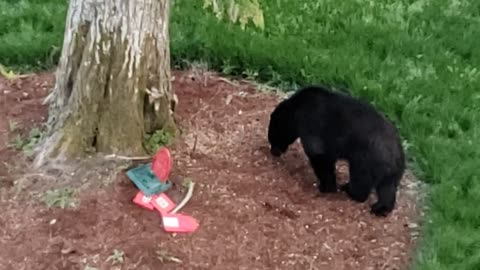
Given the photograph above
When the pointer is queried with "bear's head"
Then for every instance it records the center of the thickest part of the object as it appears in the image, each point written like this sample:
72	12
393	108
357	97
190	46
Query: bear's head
281	130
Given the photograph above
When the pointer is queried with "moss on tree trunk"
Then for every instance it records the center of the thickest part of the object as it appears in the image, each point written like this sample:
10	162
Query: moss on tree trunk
113	79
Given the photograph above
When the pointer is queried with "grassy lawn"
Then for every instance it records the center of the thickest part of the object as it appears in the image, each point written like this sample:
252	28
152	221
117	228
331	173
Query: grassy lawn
31	32
419	61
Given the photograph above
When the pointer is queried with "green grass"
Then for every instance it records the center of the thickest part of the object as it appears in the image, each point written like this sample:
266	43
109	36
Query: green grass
31	32
418	61
62	198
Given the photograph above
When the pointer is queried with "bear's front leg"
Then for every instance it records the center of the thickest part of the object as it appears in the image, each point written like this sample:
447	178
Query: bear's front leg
324	168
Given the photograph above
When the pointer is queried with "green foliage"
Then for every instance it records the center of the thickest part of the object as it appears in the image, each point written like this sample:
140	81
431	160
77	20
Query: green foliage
416	60
27	144
156	140
241	11
18	143
9	75
62	198
31	31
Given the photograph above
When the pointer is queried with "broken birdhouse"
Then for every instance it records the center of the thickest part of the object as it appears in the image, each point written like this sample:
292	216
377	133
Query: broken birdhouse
145	180
152	178
152	181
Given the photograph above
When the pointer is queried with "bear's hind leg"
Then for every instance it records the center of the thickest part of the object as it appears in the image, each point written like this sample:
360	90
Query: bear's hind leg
386	193
324	168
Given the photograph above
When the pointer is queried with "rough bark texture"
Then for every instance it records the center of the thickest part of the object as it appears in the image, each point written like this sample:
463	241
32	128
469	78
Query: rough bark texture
113	79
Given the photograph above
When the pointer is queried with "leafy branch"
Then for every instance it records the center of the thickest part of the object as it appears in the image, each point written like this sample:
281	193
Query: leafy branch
241	11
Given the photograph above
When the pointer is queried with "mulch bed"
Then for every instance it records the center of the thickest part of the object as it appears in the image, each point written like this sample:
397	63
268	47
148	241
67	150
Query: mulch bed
255	212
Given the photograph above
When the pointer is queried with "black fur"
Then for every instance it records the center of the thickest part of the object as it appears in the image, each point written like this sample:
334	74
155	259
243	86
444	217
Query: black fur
333	126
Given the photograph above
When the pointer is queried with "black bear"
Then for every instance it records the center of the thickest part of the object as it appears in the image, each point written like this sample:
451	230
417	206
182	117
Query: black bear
332	125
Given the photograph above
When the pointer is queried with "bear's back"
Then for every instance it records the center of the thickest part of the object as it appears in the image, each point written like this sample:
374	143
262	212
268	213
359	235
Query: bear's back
343	121
317	105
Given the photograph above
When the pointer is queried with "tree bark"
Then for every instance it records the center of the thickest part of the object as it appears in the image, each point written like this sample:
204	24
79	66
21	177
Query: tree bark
113	80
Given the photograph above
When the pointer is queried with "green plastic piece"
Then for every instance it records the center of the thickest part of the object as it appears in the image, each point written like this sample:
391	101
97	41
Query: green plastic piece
143	177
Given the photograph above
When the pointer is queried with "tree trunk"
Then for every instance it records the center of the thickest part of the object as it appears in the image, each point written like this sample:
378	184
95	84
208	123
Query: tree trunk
113	79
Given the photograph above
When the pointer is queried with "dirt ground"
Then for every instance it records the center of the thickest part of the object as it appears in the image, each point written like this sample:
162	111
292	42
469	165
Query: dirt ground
255	212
